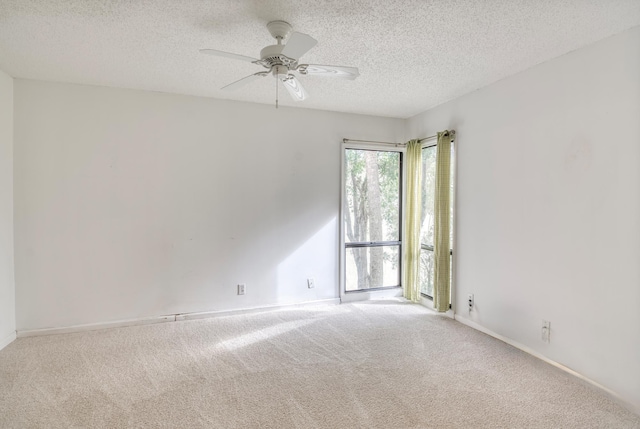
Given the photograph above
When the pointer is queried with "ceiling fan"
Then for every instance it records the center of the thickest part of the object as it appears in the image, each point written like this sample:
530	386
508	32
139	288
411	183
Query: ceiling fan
281	60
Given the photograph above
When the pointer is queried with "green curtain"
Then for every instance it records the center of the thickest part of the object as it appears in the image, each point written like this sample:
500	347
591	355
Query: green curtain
442	224
413	164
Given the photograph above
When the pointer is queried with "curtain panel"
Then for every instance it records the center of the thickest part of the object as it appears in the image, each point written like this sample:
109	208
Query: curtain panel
442	224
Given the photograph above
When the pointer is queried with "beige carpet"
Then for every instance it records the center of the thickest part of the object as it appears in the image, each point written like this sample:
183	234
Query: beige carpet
370	365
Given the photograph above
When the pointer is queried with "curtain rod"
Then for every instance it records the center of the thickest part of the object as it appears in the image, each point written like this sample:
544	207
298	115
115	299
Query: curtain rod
451	132
393	143
372	141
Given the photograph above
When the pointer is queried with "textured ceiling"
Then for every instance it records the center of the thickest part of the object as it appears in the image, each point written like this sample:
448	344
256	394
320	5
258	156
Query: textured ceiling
412	54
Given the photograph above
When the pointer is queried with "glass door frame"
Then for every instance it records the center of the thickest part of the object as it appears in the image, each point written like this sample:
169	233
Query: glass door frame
425	145
392	291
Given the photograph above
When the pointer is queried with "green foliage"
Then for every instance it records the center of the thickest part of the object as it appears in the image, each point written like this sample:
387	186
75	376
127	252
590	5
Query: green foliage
356	193
361	212
389	167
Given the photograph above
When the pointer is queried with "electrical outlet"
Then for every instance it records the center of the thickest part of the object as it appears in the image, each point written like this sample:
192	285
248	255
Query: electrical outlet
311	283
471	302
546	331
242	289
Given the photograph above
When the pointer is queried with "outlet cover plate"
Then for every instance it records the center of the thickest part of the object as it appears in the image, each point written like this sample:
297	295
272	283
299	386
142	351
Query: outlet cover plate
546	331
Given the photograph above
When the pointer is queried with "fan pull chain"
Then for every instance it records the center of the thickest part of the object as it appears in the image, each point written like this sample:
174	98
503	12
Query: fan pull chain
276	79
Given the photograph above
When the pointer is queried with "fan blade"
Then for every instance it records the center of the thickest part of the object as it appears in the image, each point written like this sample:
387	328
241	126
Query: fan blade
296	90
227	55
245	80
298	45
329	71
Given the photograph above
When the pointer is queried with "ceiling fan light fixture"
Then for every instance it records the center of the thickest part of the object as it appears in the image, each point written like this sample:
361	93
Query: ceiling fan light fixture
280	71
281	60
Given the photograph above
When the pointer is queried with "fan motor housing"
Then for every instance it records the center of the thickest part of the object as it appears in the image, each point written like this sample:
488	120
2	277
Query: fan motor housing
272	56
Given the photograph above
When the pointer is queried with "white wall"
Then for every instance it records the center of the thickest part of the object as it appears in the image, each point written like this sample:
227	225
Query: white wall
7	285
132	204
549	208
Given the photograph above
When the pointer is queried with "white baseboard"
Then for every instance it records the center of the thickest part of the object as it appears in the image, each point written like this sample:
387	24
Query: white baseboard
613	395
163	319
95	326
4	342
207	314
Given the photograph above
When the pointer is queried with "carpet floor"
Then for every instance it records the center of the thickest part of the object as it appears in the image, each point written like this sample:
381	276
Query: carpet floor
361	365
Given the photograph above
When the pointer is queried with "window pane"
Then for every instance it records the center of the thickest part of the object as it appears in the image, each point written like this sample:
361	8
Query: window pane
372	193
372	267
428	190
426	272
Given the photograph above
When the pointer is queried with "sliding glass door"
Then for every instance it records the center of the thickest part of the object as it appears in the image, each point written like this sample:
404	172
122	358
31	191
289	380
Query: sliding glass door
372	189
427	220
